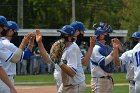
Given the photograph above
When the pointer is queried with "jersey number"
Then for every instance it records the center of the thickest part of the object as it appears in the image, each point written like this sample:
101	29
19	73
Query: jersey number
137	55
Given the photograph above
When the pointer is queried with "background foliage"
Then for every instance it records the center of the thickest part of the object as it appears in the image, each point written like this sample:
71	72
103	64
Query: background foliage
53	14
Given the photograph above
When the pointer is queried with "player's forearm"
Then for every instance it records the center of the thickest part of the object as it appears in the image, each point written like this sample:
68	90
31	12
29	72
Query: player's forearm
44	53
109	58
22	46
17	55
116	56
4	78
67	70
87	56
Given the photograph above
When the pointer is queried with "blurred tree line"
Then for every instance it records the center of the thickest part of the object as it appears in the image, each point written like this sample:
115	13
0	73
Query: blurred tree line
53	14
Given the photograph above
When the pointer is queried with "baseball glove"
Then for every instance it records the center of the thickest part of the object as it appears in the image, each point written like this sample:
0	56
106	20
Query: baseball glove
57	50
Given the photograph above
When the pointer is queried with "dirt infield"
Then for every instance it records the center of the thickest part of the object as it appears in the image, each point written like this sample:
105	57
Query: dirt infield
45	89
36	89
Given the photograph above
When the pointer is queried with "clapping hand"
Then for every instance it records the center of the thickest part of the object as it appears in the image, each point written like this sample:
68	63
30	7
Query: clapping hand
92	41
115	43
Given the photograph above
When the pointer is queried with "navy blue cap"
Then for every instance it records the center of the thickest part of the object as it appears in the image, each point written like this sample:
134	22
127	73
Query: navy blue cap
12	25
67	29
78	26
136	35
3	21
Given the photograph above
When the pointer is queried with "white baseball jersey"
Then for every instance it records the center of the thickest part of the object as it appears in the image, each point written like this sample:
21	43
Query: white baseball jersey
6	53
97	60
136	59
126	59
72	55
58	69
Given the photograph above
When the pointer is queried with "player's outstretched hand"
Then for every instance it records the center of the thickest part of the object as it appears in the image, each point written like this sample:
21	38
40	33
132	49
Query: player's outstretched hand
38	36
92	41
32	38
26	39
115	43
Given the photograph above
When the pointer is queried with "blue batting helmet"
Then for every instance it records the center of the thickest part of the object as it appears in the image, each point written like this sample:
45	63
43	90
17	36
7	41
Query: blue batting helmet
67	29
12	25
3	21
106	27
136	35
102	28
78	26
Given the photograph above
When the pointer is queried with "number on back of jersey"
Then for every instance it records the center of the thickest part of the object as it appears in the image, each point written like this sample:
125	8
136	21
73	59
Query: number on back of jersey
137	55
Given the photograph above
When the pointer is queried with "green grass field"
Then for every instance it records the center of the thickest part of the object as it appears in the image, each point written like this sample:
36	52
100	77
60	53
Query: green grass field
117	89
118	78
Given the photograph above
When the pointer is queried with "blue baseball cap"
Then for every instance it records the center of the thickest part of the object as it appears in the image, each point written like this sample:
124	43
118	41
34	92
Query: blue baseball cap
3	21
78	26
13	25
136	35
67	29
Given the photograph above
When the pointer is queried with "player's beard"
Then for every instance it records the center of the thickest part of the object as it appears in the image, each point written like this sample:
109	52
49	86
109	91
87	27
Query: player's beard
4	32
14	38
134	43
79	39
66	38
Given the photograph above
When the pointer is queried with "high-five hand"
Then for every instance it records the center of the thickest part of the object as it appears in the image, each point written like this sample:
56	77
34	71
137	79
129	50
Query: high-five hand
115	43
92	41
38	36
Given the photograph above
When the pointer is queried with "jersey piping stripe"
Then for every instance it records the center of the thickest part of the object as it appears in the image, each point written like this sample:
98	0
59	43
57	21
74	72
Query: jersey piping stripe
21	56
101	61
74	69
9	57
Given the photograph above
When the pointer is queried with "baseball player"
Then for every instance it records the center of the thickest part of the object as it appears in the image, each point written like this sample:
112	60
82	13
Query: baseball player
133	56
73	78
8	52
3	75
78	36
126	59
45	56
102	60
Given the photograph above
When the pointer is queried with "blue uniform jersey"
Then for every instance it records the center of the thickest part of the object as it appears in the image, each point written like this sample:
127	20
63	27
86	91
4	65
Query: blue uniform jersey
98	57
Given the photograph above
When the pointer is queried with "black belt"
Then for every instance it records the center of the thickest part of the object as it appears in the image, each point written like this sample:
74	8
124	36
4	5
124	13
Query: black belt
106	77
132	82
